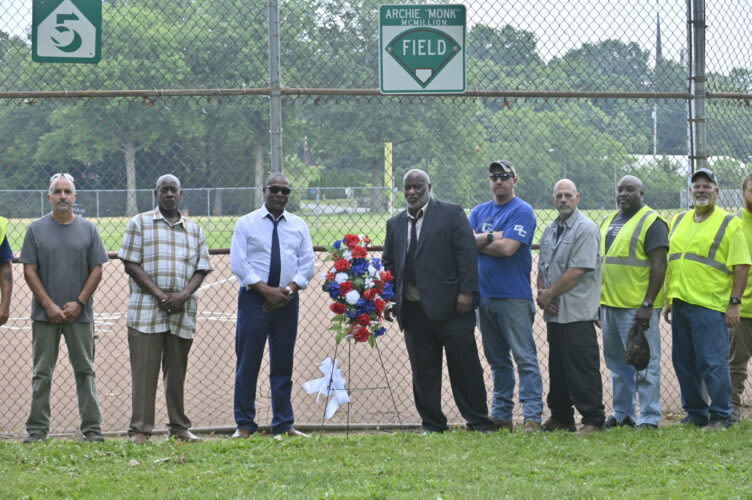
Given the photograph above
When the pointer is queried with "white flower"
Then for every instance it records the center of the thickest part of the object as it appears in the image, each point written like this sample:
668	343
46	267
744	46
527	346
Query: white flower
368	283
372	270
341	277
352	297
347	255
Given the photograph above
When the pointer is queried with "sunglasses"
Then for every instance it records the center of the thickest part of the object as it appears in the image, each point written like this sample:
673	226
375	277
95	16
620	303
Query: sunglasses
277	189
66	176
503	177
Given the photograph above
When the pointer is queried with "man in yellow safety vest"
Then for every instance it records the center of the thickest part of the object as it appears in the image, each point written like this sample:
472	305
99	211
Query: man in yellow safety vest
6	273
708	263
634	242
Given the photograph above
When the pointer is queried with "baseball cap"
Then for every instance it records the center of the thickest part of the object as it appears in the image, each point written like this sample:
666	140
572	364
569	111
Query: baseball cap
706	172
504	165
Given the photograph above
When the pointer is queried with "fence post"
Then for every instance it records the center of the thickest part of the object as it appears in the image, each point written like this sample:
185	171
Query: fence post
697	123
275	101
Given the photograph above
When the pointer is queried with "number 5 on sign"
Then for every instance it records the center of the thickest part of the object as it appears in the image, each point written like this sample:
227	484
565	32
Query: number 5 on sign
67	31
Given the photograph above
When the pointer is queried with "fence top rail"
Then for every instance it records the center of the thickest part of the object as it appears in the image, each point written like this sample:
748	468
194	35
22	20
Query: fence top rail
305	91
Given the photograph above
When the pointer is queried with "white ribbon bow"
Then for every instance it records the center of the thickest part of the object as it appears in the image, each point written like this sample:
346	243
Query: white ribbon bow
324	388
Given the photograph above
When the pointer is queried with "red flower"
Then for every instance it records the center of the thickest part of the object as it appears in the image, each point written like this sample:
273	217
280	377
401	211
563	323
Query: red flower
352	240
379	305
341	265
330	276
345	287
370	294
338	308
378	285
363	319
385	275
366	240
361	334
359	253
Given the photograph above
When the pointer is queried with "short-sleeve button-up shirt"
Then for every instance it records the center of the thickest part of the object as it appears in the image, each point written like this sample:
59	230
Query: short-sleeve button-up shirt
170	254
578	246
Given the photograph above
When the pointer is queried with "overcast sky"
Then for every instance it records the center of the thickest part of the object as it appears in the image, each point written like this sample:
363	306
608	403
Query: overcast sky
561	25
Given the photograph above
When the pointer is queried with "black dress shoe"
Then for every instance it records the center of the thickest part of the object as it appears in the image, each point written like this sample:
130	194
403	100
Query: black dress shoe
32	438
93	437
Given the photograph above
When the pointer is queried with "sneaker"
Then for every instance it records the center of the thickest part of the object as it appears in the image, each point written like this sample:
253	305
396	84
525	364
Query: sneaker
31	438
93	437
590	429
501	425
719	424
554	425
531	426
612	423
736	416
688	421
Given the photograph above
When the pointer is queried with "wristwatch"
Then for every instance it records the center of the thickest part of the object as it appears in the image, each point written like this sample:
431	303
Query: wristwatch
647	305
289	291
735	301
78	301
489	236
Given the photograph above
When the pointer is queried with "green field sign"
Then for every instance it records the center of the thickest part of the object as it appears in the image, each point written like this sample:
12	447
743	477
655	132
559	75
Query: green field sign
422	49
66	31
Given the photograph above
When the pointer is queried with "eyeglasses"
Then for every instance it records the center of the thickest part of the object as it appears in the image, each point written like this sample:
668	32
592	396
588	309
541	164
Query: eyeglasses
59	175
277	189
496	177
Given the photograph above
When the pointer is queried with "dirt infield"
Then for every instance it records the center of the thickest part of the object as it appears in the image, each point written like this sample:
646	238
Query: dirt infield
210	379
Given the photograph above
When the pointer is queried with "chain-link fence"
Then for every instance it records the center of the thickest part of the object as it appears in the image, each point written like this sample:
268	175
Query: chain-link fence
586	90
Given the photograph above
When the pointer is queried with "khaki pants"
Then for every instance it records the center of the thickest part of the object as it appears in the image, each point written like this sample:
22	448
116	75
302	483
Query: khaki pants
45	345
740	350
147	351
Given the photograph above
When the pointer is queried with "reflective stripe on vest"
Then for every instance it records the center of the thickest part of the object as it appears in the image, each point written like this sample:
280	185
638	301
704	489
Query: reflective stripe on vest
632	260
710	259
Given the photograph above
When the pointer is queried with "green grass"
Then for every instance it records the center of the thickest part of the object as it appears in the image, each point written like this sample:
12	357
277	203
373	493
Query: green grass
325	229
673	462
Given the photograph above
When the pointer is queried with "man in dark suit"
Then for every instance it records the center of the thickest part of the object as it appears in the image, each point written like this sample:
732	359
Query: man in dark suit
430	251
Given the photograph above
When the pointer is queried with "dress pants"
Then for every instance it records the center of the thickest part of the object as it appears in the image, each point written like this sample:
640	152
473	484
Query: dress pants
574	373
147	351
426	340
45	343
254	326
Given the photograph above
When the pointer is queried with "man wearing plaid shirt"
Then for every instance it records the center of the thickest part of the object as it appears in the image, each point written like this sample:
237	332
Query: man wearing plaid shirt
166	257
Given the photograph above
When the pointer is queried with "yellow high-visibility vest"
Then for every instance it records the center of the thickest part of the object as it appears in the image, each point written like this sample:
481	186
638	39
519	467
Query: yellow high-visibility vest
3	227
626	267
701	257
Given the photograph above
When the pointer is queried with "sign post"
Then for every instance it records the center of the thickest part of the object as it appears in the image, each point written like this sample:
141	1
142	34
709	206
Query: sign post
422	49
66	31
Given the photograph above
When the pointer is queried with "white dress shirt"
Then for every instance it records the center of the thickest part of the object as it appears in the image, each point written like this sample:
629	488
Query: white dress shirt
250	251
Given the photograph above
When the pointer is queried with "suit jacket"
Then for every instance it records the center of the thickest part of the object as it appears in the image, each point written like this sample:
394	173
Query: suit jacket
446	259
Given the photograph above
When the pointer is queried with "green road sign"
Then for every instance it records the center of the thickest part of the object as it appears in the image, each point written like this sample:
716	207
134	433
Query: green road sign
67	31
422	49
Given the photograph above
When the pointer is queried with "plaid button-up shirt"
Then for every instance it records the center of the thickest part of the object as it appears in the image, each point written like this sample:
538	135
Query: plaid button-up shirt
170	254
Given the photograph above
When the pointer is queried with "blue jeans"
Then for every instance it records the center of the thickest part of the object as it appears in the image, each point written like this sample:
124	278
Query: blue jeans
615	325
700	354
507	329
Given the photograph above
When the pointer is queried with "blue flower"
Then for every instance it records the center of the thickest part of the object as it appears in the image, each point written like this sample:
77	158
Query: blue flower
378	332
333	289
388	291
376	262
351	313
337	244
358	266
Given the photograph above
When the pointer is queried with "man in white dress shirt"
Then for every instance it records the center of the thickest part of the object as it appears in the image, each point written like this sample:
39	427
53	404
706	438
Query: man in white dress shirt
272	256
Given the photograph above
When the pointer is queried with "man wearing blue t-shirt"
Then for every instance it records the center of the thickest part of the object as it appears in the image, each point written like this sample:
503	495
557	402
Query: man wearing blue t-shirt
504	229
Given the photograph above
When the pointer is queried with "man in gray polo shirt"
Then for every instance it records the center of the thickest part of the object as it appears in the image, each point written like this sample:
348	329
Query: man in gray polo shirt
569	277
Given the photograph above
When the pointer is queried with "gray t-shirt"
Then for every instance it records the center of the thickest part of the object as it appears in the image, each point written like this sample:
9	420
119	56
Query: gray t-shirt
64	255
578	245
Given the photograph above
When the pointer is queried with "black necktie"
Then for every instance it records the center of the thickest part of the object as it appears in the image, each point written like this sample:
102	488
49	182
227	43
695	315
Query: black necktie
410	258
275	265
